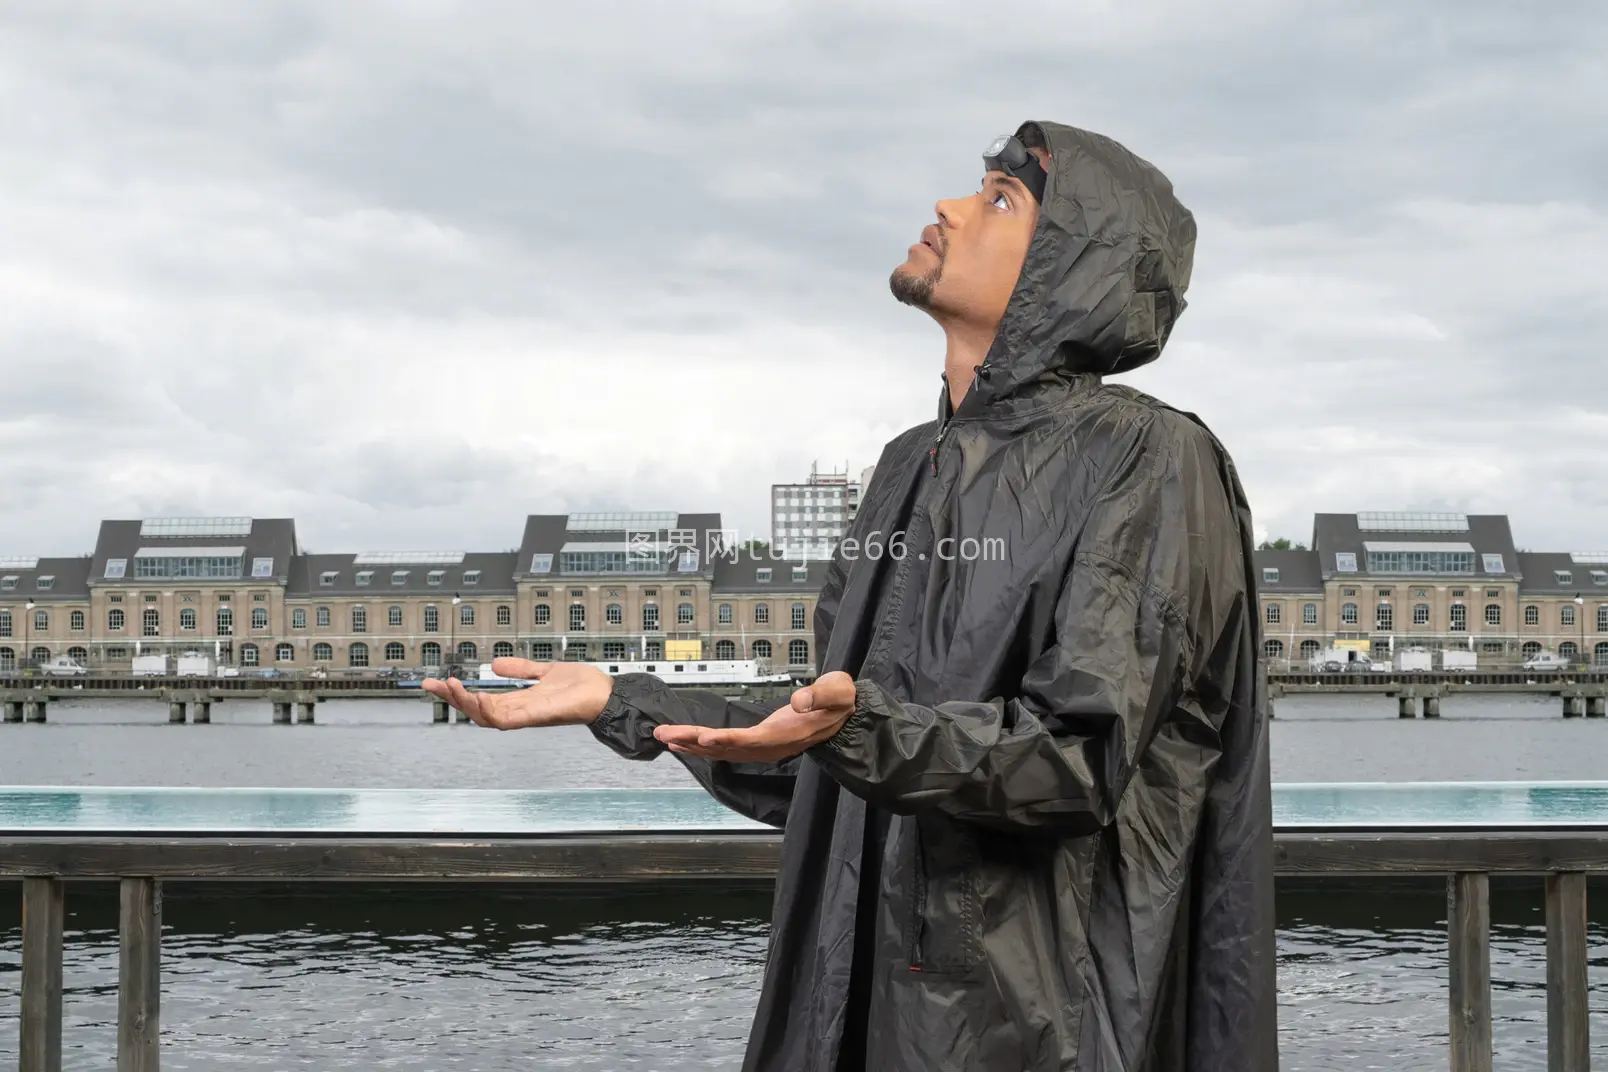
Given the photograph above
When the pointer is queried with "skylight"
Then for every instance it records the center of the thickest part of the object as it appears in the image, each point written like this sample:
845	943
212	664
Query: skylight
409	558
262	567
195	526
541	563
116	568
1409	521
19	562
1345	562
1493	563
621	521
1579	558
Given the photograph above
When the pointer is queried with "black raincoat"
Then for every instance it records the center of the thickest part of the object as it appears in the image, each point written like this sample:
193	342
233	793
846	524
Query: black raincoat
1043	840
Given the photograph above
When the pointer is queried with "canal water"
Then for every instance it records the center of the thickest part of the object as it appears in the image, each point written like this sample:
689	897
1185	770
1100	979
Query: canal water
515	978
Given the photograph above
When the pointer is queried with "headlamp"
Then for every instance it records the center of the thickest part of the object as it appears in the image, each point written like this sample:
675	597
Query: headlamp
1008	154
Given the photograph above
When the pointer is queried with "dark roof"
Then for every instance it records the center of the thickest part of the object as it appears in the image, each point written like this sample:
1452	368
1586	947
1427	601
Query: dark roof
1298	572
546	534
273	538
1488	533
1541	569
70	581
496	577
742	575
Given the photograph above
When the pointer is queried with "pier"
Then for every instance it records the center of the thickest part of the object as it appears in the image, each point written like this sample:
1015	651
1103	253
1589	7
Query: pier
49	838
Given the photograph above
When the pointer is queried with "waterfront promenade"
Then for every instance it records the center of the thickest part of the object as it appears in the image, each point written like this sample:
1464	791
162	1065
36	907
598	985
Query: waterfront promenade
50	838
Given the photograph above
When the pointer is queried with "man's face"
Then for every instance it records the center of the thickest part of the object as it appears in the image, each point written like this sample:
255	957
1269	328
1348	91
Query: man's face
966	265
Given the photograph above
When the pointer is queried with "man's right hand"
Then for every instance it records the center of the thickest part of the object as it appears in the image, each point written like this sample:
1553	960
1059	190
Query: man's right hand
566	694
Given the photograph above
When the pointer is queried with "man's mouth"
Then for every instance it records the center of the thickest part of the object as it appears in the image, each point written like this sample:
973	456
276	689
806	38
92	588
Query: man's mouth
931	238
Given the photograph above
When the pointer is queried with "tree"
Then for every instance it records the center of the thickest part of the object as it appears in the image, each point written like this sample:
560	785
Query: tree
1283	543
755	548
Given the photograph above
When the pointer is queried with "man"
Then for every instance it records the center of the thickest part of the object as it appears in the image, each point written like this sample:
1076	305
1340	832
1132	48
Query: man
1027	802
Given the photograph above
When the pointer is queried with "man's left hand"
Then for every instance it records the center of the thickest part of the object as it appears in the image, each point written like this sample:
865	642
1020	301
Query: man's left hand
816	713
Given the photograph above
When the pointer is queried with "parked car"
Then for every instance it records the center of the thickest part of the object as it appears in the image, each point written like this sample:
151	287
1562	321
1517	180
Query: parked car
1546	660
63	666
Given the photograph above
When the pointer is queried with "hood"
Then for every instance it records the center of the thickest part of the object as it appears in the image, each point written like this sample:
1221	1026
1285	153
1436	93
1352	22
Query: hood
1104	279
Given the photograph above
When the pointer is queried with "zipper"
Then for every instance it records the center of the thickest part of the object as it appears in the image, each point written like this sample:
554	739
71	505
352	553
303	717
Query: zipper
932	451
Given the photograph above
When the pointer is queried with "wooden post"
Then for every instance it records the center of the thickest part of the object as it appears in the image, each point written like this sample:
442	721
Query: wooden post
139	976
43	919
1568	1023
1468	914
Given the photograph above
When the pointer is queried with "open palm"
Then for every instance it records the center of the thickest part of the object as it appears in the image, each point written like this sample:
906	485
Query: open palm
565	694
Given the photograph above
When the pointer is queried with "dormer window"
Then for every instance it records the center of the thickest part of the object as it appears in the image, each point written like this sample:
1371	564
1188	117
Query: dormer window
1563	577
8	582
434	577
46	582
116	568
327	578
762	575
399	577
1345	562
1270	575
364	577
801	574
471	578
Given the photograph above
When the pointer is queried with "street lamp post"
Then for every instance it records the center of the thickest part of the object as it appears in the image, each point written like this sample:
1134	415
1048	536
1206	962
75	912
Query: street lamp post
27	633
1580	619
452	642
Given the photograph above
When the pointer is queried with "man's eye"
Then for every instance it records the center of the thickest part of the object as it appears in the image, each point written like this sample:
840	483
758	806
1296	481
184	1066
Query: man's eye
1000	201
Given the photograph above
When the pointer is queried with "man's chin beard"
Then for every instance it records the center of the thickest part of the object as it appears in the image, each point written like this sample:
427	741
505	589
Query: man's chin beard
913	288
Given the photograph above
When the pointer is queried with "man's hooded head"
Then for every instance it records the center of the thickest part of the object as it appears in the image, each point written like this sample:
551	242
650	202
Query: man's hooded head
1092	280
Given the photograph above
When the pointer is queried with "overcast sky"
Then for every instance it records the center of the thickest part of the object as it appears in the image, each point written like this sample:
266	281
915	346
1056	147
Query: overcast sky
408	271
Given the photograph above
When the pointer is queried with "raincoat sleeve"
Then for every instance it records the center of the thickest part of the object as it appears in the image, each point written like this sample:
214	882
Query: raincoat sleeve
1108	696
641	702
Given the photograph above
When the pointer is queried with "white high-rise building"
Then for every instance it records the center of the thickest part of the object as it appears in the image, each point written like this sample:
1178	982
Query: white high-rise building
808	519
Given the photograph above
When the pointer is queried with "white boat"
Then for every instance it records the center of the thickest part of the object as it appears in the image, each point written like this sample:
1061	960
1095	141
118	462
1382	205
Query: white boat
688	672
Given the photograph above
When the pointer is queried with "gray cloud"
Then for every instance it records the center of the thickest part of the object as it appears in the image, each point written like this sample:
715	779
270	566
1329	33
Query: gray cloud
410	271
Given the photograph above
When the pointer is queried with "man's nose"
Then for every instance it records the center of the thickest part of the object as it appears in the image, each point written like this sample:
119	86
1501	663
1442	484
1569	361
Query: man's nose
947	214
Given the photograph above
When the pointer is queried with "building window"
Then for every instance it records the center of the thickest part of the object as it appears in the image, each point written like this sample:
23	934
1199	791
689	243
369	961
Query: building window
327	579
798	653
1270	575
364	577
725	650
1309	613
761	613
399	577
1384	617
1602	617
430	653
323	653
1563	577
152	622
505	615
542	651
614	614
1567	615
723	614
614	650
1600	655
1345	562
762	649
684	614
1531	649
41	621
75	621
1459	618
259	617
432	619
1348	614
48	582
323	617
577	620
1274	613
653	649
1568	652
544	614
575	653
467	651
186	618
5	623
1420	613
503	649
298	618
1532	615
650	617
359	619
1493	614
8	582
471	578
433	578
393	617
395	652
357	654
248	655
1493	563
801	574
1273	649
466	615
1309	648
285	653
8	661
763	575
800	616
114	619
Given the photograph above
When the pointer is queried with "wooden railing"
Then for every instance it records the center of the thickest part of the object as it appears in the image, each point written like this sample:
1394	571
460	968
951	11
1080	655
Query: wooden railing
45	864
